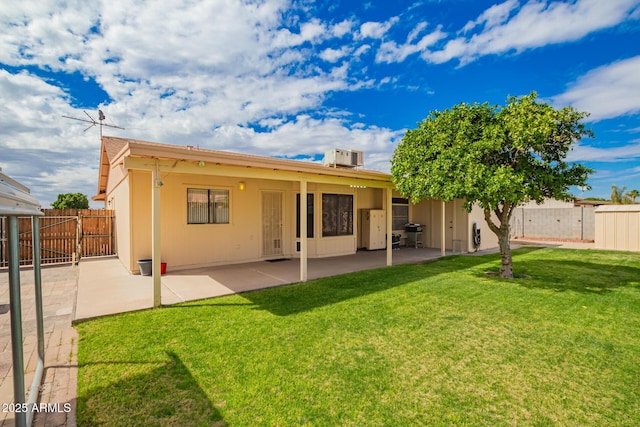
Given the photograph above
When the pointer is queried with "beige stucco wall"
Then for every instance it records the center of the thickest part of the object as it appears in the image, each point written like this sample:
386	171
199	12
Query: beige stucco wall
118	198
488	238
197	245
618	227
116	175
139	217
458	224
428	213
422	213
460	227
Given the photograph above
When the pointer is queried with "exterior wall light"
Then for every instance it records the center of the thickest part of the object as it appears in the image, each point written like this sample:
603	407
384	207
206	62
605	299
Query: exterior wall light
241	185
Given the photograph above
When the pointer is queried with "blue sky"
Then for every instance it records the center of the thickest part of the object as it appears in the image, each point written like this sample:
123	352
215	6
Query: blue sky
295	78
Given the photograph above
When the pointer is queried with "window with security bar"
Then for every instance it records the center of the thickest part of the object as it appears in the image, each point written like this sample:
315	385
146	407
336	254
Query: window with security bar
337	215
207	206
400	213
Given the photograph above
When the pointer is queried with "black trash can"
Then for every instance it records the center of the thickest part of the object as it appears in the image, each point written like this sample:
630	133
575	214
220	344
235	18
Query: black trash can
146	267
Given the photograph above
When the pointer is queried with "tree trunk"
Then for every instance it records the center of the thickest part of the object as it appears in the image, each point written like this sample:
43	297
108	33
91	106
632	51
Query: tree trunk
506	267
503	231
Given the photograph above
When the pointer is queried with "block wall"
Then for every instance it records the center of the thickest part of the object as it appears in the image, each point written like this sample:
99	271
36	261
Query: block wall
573	223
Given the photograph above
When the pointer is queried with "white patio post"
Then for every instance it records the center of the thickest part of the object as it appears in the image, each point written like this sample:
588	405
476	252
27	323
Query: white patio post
389	216
303	230
444	230
155	236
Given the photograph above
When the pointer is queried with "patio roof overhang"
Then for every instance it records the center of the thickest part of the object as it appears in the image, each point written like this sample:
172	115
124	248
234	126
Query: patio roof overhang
257	172
154	157
15	199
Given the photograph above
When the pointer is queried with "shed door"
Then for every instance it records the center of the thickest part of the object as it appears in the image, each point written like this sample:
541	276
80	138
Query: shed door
271	224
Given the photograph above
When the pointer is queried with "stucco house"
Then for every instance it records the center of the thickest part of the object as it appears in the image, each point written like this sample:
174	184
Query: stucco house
194	207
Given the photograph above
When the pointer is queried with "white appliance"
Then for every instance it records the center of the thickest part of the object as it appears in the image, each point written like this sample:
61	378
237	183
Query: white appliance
374	227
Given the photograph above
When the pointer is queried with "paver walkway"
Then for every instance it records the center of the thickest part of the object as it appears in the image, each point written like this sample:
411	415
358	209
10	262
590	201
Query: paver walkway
59	384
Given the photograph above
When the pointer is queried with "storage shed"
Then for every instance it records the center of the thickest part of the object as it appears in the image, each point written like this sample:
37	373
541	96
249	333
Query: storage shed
618	227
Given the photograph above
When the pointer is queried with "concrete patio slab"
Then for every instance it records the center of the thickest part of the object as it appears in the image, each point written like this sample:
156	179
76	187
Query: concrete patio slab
105	287
108	288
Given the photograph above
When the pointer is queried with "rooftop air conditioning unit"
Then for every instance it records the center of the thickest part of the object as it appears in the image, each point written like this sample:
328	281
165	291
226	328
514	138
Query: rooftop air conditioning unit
343	158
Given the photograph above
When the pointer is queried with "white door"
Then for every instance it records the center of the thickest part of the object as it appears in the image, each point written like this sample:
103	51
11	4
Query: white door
271	224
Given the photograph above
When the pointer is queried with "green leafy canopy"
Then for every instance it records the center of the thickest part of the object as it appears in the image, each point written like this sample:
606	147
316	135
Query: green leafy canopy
492	156
71	201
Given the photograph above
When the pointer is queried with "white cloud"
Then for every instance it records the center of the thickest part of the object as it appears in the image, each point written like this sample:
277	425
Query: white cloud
392	52
212	63
39	147
362	50
44	32
496	14
622	175
307	135
509	27
176	71
586	153
342	28
333	55
32	116
376	30
416	31
309	32
537	23
602	180
609	91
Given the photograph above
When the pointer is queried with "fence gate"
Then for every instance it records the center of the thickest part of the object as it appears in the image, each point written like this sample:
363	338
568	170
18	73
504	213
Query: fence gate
65	236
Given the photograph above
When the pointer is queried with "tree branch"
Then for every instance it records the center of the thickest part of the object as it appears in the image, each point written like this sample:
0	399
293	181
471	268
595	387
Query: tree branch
492	226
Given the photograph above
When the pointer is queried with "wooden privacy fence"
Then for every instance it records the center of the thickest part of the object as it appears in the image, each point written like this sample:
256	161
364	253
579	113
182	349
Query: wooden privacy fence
66	235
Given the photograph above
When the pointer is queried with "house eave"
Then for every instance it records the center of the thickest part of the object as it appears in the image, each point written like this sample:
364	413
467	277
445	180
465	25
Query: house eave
218	169
143	155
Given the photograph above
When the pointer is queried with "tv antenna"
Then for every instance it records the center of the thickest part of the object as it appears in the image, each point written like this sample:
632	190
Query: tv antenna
100	122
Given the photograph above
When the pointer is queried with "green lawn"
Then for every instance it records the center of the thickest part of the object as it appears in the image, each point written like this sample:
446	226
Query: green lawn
440	343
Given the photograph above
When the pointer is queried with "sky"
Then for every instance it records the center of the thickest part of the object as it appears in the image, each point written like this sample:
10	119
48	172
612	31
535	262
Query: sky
294	78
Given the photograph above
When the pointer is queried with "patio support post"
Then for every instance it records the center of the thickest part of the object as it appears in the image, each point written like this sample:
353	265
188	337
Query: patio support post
155	235
303	230
389	216
443	231
37	278
16	318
